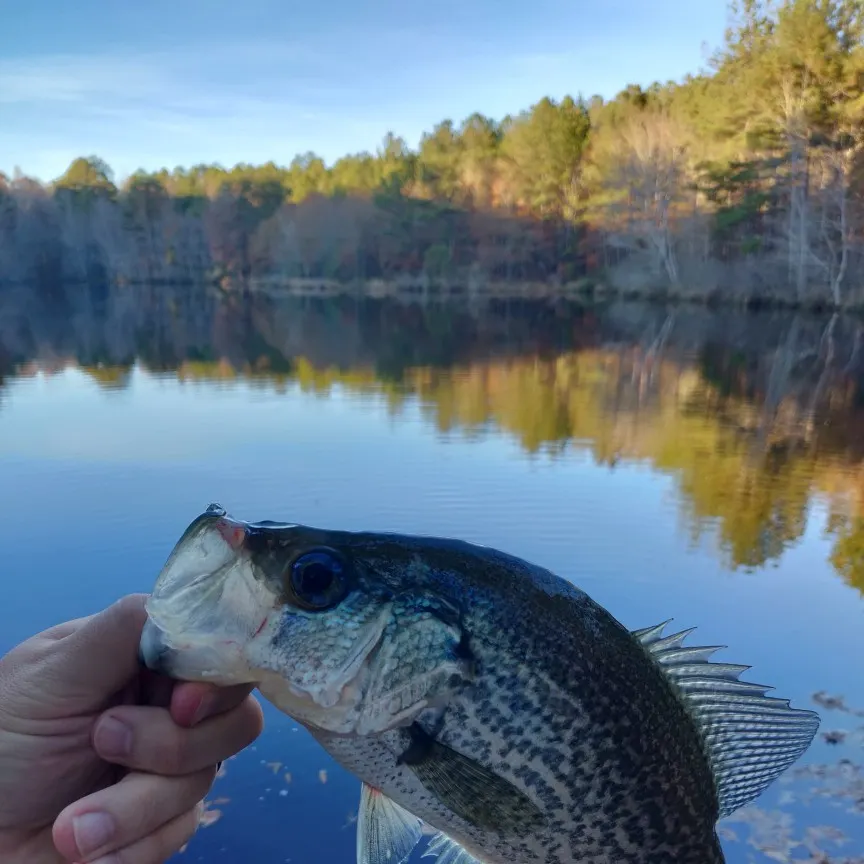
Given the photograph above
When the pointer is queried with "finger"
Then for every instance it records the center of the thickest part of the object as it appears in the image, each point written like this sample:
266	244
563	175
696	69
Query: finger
191	703
96	659
147	739
156	689
123	814
99	657
67	628
43	644
158	847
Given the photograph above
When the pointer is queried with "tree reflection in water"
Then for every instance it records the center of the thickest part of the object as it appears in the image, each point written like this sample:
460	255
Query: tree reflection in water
759	419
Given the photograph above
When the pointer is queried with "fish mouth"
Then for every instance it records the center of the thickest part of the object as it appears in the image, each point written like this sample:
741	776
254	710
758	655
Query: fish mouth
205	605
234	533
193	660
208	546
152	646
199	564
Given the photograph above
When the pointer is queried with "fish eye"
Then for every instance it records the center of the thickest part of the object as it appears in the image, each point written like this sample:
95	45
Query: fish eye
317	580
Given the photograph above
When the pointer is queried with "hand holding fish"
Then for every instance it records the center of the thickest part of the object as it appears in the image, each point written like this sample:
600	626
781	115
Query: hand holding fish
100	760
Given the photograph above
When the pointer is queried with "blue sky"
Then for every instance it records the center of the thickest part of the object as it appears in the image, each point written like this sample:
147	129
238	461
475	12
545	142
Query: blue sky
177	82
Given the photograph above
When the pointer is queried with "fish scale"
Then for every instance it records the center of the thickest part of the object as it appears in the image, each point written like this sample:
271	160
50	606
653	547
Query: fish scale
474	693
580	738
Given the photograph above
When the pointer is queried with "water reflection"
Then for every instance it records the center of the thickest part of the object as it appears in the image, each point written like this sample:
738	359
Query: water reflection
755	416
750	425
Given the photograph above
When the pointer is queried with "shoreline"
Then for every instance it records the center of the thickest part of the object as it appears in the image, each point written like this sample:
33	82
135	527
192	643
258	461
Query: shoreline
589	290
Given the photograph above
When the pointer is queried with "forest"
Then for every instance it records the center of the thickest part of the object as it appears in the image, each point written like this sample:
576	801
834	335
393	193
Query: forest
742	184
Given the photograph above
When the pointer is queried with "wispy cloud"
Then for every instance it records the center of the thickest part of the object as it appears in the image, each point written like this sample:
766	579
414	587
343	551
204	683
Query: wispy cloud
168	102
270	100
249	93
163	75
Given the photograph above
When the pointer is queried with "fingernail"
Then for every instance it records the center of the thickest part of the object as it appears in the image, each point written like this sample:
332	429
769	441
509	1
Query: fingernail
92	831
205	706
113	738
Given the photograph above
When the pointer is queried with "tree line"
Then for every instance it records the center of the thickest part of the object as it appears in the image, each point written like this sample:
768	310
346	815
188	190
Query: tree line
742	183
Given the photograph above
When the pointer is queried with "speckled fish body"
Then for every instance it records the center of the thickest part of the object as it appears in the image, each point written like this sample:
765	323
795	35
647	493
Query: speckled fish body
474	692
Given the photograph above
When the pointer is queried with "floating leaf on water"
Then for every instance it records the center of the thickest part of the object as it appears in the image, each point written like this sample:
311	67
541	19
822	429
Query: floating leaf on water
322	776
274	766
770	831
287	776
838	784
210	814
723	831
834	703
210	817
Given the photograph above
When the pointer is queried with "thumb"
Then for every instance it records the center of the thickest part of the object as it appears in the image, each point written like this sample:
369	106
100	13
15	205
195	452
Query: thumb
102	654
81	664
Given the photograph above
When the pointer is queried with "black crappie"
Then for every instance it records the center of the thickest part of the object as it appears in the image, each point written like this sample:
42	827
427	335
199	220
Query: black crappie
475	692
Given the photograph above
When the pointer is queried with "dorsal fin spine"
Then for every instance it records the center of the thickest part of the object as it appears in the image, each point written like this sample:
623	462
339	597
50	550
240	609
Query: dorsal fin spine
749	738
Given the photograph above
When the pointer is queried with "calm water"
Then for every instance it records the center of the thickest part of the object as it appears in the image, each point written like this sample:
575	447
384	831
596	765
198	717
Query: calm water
689	465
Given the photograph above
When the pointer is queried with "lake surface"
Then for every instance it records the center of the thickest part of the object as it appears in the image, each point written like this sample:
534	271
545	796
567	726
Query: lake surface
675	463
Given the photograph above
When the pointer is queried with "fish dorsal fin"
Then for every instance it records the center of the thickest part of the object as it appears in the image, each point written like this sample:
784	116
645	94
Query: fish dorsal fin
448	851
750	738
386	832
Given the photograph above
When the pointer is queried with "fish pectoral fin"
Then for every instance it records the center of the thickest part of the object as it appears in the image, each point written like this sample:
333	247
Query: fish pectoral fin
445	850
749	738
476	794
386	832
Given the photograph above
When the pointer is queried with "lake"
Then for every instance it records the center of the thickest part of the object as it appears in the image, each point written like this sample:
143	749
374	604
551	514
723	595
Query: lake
704	466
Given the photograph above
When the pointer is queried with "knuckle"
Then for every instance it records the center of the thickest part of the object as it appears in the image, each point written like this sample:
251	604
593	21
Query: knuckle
124	855
131	608
159	846
250	720
146	813
183	830
199	786
171	751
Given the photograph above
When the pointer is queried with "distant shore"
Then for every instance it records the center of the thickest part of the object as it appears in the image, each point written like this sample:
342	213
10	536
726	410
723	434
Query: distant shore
586	288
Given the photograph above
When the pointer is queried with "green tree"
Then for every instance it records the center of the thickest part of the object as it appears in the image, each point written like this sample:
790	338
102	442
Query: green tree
91	175
541	151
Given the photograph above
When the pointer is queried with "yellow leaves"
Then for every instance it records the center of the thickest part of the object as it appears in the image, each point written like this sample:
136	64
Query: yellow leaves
738	479
848	554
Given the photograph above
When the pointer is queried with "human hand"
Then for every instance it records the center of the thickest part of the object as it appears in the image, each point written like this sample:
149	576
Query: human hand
100	759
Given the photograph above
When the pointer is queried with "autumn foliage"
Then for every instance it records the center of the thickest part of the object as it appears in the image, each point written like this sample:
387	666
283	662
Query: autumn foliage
742	183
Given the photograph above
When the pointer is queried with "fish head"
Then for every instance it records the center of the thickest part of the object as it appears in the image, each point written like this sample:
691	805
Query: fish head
324	624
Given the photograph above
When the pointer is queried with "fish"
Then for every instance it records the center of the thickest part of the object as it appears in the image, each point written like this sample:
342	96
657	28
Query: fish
481	700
